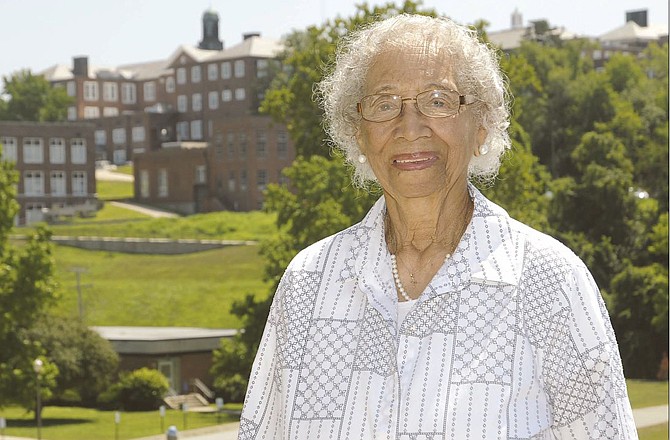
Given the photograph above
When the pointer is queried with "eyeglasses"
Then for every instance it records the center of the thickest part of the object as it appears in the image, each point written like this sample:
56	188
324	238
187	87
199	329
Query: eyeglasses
431	103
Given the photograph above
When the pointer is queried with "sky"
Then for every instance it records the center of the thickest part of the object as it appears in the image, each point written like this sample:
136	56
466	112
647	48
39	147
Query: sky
37	34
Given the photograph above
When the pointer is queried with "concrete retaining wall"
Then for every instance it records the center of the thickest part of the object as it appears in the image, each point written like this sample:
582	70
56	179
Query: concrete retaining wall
146	245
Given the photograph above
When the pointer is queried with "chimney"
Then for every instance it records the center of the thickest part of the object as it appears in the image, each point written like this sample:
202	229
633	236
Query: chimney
80	66
639	17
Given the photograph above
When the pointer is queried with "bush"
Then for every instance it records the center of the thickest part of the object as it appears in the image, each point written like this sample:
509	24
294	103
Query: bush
232	388
140	390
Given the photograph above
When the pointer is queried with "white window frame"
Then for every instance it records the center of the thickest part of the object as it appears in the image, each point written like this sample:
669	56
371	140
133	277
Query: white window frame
33	150
182	103
119	136
100	137
79	183
57	150
162	183
138	134
91	91
57	183
71	88
110	111
91	112
33	183
262	68
213	100
226	70
240	94
78	151
196	74
196	102
181	75
200	174
128	93
110	91
239	69
10	150
149	91
144	184
227	95
169	84
183	130
196	130
212	72
72	113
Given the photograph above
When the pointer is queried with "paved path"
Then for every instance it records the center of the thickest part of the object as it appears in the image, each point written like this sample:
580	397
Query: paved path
152	212
105	174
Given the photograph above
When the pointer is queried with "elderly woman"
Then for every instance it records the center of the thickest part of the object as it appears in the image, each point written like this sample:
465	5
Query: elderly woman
437	316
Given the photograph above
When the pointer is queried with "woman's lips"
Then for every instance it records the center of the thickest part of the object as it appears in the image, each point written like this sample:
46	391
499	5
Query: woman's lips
414	161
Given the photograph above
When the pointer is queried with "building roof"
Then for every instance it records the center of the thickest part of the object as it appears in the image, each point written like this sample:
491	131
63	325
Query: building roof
163	340
508	38
631	31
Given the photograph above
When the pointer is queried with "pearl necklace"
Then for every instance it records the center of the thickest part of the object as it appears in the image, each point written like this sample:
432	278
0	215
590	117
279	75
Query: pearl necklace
396	277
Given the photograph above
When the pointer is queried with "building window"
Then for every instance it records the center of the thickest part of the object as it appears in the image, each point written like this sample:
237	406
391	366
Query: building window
212	72
243	145
91	112
181	75
149	91
162	183
282	145
71	88
90	91
100	137
57	150
261	179
144	184
196	130
33	183
33	151
119	136
182	130
243	180
227	95
78	151
200	174
110	91
110	111
57	183
240	94
261	68
169	84
231	181
196	74
119	156
182	103
196	102
239	69
138	134
79	183
72	113
213	98
9	149
128	93
261	144
230	142
226	72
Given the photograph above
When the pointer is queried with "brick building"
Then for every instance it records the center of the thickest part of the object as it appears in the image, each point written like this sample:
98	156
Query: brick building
151	113
55	165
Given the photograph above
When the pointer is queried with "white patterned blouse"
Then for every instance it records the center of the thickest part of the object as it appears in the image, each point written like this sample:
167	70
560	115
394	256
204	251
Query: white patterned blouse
510	340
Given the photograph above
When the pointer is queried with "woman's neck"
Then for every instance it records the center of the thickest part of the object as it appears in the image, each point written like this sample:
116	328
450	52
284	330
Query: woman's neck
418	223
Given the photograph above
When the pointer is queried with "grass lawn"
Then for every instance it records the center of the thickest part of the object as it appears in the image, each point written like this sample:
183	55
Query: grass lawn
644	393
657	432
114	190
194	289
70	423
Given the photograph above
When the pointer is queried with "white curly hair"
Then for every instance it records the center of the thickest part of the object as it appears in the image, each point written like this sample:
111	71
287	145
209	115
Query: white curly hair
475	70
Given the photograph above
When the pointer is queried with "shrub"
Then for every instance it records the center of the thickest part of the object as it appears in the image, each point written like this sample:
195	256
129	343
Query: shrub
231	388
139	390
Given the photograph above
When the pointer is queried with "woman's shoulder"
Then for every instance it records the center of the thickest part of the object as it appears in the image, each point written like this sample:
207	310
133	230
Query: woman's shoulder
309	257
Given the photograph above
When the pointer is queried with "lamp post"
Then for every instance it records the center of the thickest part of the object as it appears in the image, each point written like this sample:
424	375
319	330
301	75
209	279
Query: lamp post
37	366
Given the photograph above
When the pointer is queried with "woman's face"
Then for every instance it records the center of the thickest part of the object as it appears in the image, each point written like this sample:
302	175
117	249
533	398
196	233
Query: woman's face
414	155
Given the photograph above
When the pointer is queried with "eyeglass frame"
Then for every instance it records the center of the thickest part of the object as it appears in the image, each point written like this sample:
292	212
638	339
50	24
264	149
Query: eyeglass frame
463	100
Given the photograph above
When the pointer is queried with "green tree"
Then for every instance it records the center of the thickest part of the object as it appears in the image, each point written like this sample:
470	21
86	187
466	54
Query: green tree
87	363
26	290
32	98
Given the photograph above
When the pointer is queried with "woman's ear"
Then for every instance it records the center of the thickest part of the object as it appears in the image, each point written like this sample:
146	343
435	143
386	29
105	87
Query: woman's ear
482	133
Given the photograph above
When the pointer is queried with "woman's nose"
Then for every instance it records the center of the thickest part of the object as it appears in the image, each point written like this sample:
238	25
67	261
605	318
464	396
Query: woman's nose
412	124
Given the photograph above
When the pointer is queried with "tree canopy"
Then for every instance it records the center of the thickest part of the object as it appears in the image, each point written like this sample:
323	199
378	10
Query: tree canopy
32	98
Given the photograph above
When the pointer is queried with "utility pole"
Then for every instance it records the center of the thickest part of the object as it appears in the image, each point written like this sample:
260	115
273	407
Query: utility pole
80	301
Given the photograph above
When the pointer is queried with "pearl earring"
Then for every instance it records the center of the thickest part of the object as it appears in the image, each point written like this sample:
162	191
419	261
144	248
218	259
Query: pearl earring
362	158
483	149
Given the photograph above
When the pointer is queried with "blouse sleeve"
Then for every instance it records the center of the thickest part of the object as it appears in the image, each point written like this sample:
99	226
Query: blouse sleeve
581	366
